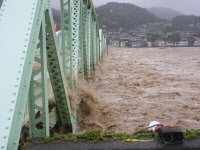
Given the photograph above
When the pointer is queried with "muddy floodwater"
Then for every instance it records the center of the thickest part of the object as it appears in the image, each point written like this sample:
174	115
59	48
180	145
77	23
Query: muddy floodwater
135	86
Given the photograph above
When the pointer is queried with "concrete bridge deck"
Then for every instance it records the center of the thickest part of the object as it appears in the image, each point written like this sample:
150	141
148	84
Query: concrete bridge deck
117	145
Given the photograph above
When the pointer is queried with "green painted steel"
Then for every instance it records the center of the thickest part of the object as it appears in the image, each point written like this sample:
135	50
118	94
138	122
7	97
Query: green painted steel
81	42
82	47
94	38
98	48
66	29
38	100
57	76
75	24
18	54
92	46
88	40
84	23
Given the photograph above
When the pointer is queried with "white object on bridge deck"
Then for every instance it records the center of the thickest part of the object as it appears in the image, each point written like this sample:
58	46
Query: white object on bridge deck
153	123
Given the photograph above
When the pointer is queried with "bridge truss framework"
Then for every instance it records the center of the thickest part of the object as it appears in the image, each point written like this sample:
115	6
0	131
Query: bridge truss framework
30	26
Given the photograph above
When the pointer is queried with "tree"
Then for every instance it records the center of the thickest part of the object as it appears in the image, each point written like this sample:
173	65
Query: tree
175	37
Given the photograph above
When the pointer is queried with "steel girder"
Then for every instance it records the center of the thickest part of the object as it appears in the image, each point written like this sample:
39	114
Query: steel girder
94	38
84	23
98	48
66	29
88	40
75	26
57	77
92	47
19	46
38	100
16	80
70	16
81	42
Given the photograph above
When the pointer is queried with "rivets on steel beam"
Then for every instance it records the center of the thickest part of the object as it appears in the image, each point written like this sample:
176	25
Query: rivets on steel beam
9	118
5	137
2	147
7	128
11	110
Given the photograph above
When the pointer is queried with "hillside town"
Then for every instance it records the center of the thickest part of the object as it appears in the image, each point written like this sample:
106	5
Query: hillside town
153	39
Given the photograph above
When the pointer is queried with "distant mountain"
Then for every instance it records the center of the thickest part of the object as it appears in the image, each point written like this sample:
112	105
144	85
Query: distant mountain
114	15
165	13
184	23
186	20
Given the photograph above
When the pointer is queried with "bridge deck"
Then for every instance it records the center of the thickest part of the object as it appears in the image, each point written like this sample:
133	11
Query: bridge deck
117	145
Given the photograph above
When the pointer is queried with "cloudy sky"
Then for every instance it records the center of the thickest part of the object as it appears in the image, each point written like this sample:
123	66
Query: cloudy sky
183	6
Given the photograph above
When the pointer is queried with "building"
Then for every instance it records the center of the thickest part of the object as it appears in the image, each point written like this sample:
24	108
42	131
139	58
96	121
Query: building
183	43
122	44
115	43
197	43
149	44
137	43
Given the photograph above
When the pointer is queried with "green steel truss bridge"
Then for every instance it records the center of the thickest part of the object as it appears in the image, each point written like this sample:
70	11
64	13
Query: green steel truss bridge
27	35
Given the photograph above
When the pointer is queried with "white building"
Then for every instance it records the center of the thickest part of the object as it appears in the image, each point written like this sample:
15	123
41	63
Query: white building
197	43
149	44
123	44
183	43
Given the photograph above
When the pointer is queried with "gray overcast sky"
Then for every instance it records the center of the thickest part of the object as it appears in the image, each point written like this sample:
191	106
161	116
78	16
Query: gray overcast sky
183	6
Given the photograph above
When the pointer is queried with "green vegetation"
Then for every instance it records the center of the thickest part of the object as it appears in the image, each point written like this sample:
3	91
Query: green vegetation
106	136
24	143
175	37
184	23
99	135
186	20
191	134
